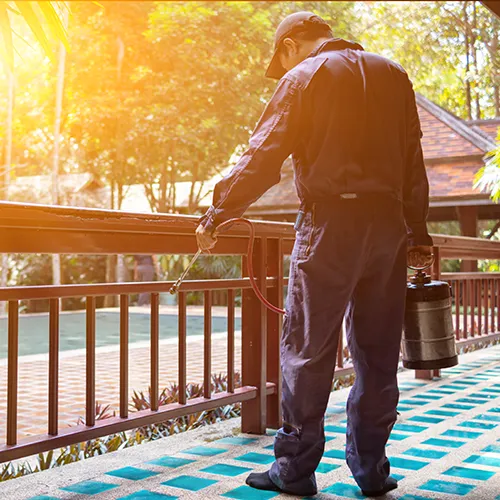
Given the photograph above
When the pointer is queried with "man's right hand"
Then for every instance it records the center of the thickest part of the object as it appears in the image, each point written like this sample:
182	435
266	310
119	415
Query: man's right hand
420	256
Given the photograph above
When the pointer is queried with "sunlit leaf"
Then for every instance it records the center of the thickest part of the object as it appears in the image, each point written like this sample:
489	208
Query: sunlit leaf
31	18
6	31
54	22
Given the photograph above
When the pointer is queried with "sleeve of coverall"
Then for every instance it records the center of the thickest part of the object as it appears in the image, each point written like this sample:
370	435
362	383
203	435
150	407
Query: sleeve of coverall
259	167
416	184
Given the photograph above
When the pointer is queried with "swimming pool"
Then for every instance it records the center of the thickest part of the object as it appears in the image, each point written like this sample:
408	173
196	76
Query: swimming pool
34	330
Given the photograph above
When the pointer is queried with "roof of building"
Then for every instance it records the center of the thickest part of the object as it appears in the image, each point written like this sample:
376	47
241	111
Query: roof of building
39	187
488	128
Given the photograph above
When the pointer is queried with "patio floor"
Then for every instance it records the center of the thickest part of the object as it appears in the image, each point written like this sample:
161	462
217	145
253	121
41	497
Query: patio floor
445	445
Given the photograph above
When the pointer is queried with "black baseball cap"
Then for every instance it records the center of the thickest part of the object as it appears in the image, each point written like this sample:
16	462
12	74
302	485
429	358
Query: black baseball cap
297	22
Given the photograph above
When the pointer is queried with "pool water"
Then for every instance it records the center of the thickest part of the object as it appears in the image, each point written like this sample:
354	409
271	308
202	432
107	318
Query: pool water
34	330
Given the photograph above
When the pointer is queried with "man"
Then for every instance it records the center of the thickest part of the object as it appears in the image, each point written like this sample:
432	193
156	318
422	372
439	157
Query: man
144	270
350	120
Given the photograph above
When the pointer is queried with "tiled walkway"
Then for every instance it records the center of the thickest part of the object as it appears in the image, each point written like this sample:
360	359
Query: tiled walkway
445	445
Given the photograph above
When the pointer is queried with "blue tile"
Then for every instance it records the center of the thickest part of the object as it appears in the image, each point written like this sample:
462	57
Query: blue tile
465	472
470	401
335	428
413	497
340	454
477	425
447	487
172	462
236	440
335	410
325	467
427	396
409	428
270	447
405	408
493	391
256	458
445	392
443	413
89	487
444	443
454	406
420	453
492	448
398	477
132	473
461	434
404	463
482	395
247	493
204	451
480	460
453	387
398	437
465	382
414	402
329	438
426	420
42	497
344	490
226	470
190	483
147	495
493	410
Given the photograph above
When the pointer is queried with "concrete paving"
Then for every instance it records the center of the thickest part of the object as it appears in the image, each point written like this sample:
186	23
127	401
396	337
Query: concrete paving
445	445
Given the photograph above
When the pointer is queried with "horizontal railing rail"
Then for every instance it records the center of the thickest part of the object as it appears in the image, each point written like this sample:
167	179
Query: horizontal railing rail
44	229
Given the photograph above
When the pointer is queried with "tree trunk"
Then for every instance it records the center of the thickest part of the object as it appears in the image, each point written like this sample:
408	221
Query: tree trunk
56	259
468	100
476	68
8	167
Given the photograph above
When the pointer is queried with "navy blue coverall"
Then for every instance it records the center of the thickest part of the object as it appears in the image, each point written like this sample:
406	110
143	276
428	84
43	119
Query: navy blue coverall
350	121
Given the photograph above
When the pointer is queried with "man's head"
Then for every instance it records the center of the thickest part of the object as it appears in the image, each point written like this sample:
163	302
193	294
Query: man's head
296	37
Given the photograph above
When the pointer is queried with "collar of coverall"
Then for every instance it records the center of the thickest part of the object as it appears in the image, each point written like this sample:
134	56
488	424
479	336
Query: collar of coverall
331	44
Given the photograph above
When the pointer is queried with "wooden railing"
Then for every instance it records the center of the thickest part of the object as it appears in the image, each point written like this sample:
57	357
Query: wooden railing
43	229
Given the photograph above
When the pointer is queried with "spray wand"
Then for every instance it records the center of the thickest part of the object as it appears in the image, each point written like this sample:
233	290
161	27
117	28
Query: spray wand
253	283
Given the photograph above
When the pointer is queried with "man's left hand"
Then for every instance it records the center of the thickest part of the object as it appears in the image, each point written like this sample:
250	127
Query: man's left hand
206	241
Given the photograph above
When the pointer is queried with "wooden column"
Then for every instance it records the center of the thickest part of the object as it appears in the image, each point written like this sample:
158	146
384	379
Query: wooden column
467	217
254	344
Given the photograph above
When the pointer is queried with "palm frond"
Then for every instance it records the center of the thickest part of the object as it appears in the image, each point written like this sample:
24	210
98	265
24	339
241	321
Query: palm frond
43	19
29	15
55	23
6	30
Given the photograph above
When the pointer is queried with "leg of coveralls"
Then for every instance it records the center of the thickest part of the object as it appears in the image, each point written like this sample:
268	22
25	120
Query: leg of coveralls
374	323
320	287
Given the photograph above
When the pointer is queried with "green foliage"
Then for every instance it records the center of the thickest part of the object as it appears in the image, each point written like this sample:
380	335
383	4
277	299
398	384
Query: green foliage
488	177
450	50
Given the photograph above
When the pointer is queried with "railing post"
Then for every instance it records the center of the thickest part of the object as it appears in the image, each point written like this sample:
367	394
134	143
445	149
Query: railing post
274	326
253	344
435	274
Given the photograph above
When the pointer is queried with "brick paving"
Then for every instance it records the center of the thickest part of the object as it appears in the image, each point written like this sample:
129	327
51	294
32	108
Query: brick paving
33	378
